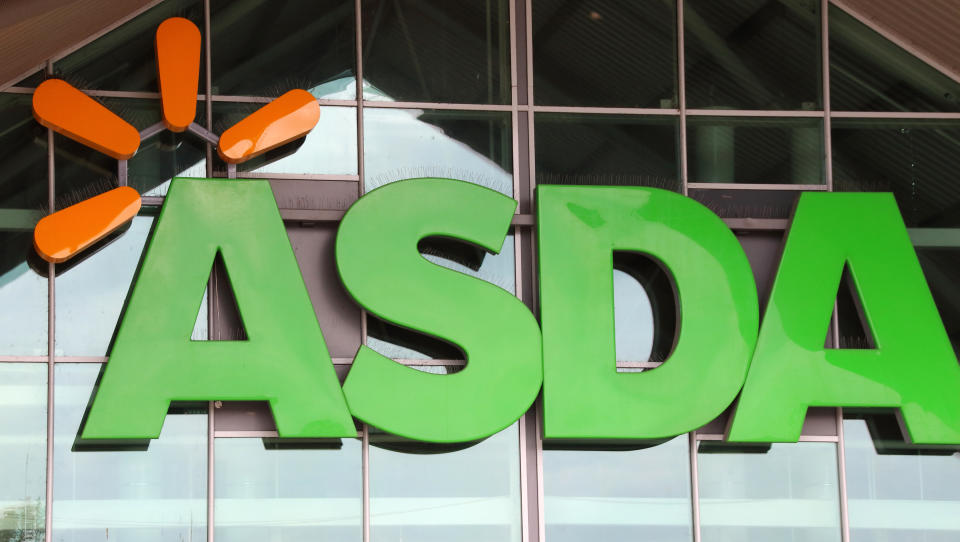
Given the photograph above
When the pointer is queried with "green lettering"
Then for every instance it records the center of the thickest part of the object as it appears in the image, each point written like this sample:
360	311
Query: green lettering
285	361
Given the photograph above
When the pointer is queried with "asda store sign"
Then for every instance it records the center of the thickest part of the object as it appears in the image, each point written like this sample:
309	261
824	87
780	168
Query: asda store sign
778	369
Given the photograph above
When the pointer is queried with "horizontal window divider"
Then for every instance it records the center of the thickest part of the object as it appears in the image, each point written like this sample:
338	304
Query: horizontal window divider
754	113
601	110
246	434
24	359
376	104
312	215
893	115
756	224
152	201
80	359
296	176
638	364
523	220
935	237
758	186
819	438
431	362
803	438
342	361
18	90
128	94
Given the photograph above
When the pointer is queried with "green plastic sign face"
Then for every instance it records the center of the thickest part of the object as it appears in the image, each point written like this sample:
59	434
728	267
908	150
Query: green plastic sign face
584	395
154	362
717	350
381	268
912	368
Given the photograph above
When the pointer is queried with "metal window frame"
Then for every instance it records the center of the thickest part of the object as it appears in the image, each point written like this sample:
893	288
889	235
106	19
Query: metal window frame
522	108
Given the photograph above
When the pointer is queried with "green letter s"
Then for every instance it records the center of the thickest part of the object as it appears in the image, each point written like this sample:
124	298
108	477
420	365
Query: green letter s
380	266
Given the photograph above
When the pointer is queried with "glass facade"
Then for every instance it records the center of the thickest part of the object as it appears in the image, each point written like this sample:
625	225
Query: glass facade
726	102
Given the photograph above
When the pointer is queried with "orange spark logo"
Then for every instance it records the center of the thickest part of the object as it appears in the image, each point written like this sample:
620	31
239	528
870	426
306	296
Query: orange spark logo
69	112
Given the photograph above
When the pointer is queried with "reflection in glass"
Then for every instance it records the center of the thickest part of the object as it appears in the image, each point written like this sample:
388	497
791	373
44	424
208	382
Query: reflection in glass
622	495
787	493
605	53
644	308
269	493
124	58
755	150
437	51
91	294
23	199
497	269
330	148
627	150
898	494
131	495
470	494
941	268
473	146
267	48
916	160
868	72
752	54
23	451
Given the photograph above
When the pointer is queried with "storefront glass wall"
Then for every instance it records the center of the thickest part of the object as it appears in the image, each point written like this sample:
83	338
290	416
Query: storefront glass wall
728	105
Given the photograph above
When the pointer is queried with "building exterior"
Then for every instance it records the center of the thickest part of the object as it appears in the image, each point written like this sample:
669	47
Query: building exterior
740	105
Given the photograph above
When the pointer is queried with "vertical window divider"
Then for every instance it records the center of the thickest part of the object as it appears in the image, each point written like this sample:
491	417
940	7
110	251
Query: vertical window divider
694	486
51	337
212	287
842	482
358	97
825	77
682	99
211	479
365	483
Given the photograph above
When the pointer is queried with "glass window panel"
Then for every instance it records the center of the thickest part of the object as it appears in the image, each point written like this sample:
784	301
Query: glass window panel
468	494
752	54
473	146
330	148
92	293
132	495
605	53
267	48
627	150
870	73
916	160
786	493
622	495
645	311
269	493
436	51
755	150
498	269
165	155
23	451
125	57
31	80
899	494
23	201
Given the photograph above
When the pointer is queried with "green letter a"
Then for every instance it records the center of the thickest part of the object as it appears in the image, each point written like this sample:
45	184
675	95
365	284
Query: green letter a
153	361
912	368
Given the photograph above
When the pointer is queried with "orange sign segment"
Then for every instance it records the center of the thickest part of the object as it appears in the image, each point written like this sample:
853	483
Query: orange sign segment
58	237
65	110
178	69
281	121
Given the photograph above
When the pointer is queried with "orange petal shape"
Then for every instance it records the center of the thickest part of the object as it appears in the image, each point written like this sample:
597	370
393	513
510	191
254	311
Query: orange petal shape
65	110
178	70
279	122
60	236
